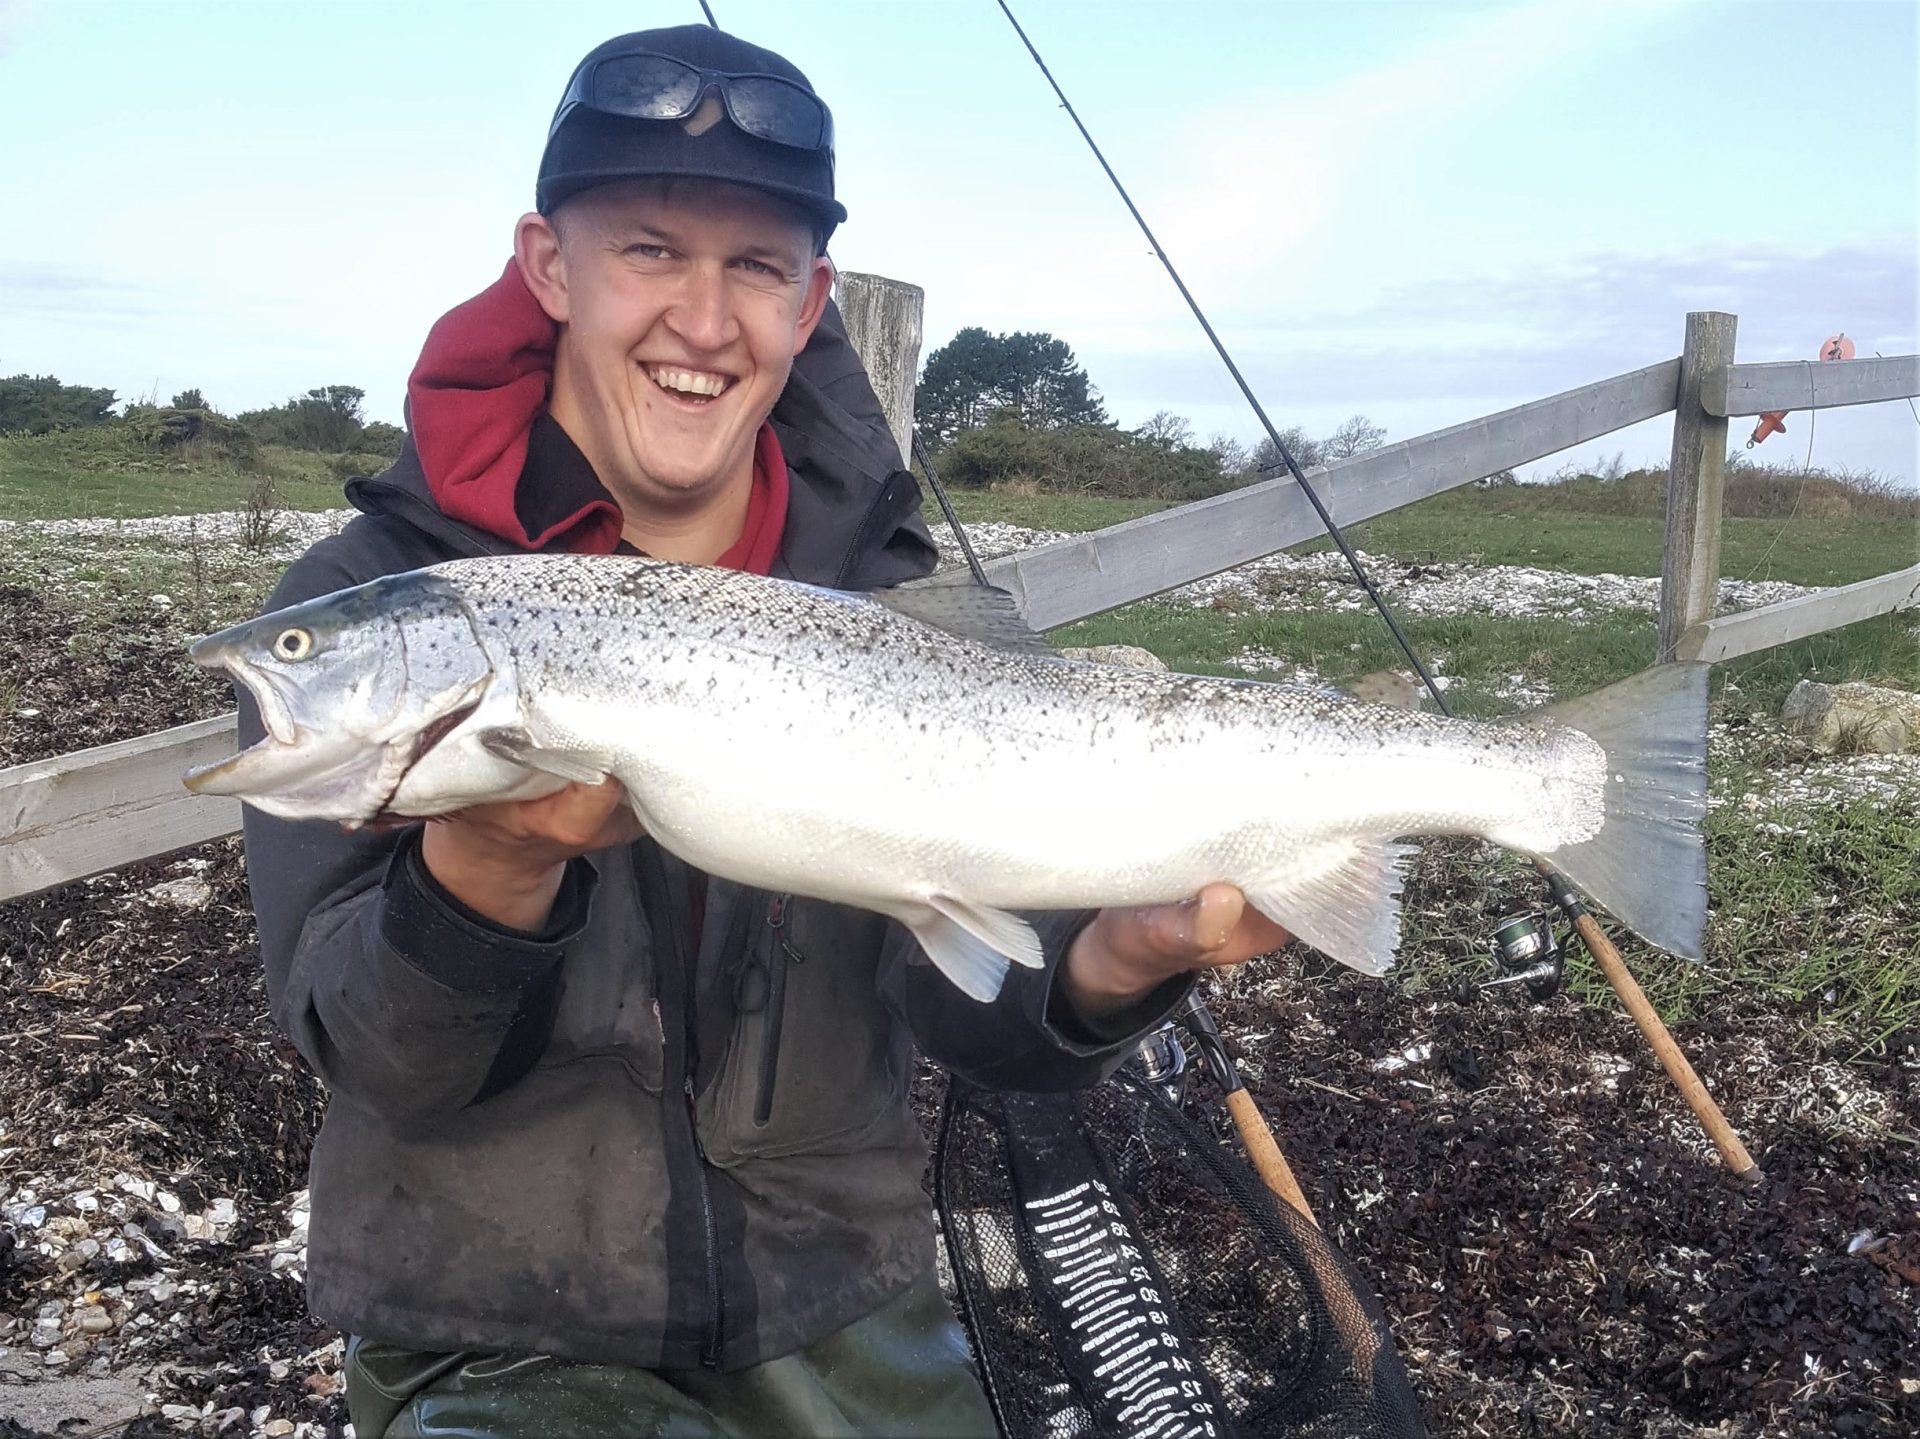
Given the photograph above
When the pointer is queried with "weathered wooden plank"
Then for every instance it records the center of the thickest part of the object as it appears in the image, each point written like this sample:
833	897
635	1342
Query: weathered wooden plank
1081	576
1690	563
883	319
81	814
1794	619
1810	384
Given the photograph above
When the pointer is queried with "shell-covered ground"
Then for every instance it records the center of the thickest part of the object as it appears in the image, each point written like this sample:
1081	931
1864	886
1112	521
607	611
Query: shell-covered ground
1554	1241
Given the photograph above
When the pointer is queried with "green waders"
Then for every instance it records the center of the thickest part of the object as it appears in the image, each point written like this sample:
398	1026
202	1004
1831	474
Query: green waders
902	1372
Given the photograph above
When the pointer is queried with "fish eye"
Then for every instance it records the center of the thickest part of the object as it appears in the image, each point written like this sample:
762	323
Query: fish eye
294	644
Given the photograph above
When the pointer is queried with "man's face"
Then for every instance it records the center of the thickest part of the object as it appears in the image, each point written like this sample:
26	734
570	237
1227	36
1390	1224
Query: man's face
682	305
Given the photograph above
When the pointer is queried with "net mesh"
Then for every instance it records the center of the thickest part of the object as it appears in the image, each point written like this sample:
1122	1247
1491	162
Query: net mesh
1121	1272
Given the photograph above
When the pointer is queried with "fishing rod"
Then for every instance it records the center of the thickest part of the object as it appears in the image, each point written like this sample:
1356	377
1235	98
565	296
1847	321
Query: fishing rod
1732	1152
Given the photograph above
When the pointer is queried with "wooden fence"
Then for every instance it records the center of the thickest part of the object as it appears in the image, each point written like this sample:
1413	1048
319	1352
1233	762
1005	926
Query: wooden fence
80	814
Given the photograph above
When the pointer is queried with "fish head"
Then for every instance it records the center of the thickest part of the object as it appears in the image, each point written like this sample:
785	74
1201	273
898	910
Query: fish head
354	689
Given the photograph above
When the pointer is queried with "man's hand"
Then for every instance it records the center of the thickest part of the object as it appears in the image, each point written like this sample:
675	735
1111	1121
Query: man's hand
506	860
1127	953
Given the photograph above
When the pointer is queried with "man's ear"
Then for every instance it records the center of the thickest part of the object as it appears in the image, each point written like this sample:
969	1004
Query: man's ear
536	249
819	291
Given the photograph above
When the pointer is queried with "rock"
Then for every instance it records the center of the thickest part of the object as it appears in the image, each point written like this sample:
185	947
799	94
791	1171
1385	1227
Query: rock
55	1357
1856	717
182	893
278	1428
1130	657
163	1291
96	1321
222	1212
46	1334
1387	687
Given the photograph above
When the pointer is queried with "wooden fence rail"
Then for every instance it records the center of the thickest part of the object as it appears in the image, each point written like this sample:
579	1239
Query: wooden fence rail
1086	574
80	814
1811	385
1734	635
77	815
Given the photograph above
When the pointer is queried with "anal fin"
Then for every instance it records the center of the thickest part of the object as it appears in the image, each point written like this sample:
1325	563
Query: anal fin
1343	899
973	944
516	746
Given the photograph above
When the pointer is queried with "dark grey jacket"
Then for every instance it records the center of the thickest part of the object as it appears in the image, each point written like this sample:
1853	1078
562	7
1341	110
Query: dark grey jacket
604	1141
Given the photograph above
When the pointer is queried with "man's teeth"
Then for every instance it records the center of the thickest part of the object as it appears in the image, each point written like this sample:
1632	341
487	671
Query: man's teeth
689	381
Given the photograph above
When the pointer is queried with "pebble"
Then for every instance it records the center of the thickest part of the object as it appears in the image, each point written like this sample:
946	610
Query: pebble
55	1357
96	1321
222	1212
277	1428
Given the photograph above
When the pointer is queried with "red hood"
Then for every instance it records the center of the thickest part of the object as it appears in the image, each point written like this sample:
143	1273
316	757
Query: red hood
482	380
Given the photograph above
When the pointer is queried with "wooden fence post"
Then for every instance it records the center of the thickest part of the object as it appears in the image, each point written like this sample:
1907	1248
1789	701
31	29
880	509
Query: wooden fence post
1696	484
883	322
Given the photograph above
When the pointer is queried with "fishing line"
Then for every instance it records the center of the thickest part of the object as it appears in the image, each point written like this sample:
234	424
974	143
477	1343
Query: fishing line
1806	472
707	11
1558	886
1326	518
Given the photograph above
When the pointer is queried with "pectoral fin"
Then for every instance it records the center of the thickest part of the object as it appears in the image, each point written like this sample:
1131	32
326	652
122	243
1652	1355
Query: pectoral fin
516	746
1344	900
972	944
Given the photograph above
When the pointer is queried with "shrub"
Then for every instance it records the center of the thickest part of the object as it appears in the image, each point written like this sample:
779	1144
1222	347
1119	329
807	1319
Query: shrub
1086	460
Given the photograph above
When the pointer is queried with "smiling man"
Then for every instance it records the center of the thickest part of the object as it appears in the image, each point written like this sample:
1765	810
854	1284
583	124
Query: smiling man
613	1147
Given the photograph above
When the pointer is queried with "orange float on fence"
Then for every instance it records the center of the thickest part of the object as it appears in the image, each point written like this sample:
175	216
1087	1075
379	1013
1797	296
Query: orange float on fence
1774	422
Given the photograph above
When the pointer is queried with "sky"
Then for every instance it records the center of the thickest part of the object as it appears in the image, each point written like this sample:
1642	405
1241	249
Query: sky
1423	212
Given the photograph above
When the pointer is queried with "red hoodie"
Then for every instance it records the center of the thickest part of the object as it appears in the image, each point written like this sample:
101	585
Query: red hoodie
479	385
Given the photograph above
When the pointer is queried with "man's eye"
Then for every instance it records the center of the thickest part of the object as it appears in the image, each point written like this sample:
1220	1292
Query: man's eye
649	252
759	267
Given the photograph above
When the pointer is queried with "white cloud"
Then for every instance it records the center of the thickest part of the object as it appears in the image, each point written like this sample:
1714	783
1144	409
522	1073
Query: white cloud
15	17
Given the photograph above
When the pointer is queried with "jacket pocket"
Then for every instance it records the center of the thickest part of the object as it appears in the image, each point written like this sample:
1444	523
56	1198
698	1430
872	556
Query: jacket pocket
609	1005
816	1063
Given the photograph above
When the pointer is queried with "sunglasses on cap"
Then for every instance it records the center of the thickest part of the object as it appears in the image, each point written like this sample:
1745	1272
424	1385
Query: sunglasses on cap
646	86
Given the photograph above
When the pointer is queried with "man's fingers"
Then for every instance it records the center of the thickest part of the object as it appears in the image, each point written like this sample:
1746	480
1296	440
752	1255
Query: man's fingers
1216	926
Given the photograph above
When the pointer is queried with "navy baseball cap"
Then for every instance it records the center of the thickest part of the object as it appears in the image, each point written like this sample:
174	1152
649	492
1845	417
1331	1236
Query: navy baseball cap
622	118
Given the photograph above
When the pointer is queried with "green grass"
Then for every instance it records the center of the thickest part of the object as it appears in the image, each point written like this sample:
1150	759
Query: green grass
104	472
1486	527
1562	656
1494	527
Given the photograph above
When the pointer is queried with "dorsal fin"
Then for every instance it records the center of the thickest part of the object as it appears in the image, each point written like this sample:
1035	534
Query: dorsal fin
960	607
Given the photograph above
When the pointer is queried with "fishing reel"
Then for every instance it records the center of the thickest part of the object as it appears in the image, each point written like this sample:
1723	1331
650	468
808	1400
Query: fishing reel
1161	1060
1526	951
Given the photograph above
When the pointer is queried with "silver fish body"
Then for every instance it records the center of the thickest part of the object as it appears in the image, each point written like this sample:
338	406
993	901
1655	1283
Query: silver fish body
813	742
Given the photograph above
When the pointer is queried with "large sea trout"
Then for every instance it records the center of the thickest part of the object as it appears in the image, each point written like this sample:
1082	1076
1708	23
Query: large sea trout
858	749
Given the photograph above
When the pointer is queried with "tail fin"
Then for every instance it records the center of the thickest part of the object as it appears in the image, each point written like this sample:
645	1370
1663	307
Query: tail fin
1648	863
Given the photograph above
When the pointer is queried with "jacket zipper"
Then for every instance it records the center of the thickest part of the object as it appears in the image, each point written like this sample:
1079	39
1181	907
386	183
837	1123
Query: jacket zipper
779	954
709	1224
710	1344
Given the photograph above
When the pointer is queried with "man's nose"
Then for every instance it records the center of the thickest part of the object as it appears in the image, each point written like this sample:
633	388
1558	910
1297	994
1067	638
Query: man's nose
704	315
